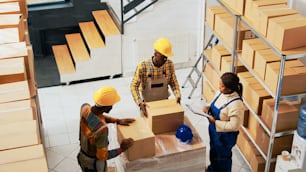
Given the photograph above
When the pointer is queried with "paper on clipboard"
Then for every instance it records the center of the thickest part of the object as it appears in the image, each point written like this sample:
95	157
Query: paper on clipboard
197	112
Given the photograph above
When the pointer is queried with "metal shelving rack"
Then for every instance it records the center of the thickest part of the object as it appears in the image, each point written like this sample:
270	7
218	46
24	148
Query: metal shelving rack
284	55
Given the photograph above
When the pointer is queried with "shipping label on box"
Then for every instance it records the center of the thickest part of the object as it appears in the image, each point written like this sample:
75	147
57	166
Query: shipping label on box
144	139
164	115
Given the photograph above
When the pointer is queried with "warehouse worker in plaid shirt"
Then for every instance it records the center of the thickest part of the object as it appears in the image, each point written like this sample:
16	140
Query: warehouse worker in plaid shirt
93	134
153	75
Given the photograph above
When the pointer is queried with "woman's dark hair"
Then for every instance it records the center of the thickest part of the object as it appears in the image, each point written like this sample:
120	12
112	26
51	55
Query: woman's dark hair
231	80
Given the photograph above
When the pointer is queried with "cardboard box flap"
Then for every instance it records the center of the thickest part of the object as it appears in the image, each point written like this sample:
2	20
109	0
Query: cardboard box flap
137	130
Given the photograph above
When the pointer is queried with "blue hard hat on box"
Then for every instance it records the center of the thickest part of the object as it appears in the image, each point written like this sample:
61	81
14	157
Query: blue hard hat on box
184	133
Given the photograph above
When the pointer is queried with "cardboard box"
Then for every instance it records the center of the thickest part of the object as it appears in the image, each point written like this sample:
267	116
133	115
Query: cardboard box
246	116
251	154
226	65
170	153
208	91
262	58
164	115
144	139
14	91
211	12
236	6
249	47
16	115
212	75
218	52
12	28
280	143
287	34
12	70
224	24
293	80
253	124
287	118
251	7
255	96
19	134
266	13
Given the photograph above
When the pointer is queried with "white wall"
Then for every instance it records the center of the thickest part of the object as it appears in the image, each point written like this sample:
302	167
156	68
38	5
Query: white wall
178	20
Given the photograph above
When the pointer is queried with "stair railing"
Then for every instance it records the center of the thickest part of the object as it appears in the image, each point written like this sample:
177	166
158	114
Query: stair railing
132	6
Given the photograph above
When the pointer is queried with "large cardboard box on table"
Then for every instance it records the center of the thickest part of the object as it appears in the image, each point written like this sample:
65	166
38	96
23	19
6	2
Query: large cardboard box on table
262	58
30	158
287	118
12	70
287	32
293	80
144	139
211	12
164	115
170	155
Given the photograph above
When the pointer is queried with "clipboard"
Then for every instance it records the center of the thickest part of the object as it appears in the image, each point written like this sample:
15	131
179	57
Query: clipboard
196	112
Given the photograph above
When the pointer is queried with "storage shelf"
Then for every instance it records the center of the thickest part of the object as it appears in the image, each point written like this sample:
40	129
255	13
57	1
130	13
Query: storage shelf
288	54
283	56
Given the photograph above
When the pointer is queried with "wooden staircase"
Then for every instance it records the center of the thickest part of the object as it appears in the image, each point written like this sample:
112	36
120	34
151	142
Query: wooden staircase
93	53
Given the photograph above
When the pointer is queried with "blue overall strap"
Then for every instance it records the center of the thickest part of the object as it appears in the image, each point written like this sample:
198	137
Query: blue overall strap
226	104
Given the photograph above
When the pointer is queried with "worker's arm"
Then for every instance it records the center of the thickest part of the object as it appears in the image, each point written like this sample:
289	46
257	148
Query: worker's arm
136	84
173	81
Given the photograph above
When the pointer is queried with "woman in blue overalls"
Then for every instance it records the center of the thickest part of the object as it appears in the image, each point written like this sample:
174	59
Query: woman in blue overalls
226	112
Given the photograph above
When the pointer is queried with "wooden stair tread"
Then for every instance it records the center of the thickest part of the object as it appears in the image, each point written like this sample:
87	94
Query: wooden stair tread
91	35
63	59
77	47
105	22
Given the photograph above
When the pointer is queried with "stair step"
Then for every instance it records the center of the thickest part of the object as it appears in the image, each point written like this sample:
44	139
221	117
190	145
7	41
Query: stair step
63	59
91	35
105	22
77	47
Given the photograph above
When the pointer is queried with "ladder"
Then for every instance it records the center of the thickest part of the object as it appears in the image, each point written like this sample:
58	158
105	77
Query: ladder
194	83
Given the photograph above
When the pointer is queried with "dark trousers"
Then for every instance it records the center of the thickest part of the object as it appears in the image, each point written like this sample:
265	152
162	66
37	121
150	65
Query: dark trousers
221	144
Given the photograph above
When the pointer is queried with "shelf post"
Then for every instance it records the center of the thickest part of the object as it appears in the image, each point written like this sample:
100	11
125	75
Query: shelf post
275	115
234	49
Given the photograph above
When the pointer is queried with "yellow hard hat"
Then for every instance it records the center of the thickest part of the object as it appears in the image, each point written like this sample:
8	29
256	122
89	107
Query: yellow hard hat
163	46
106	96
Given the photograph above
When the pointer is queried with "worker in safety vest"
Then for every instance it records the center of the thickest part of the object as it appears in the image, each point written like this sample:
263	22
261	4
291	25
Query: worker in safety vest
93	136
153	75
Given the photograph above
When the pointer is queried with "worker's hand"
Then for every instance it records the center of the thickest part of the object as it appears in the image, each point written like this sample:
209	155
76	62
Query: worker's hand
125	121
178	100
205	109
126	143
143	108
211	119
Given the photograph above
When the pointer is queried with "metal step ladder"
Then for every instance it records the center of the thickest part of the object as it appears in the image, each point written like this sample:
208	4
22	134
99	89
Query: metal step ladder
194	82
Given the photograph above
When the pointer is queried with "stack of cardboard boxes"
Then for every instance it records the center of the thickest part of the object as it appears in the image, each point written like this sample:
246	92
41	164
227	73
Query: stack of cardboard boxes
284	29
156	147
21	144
